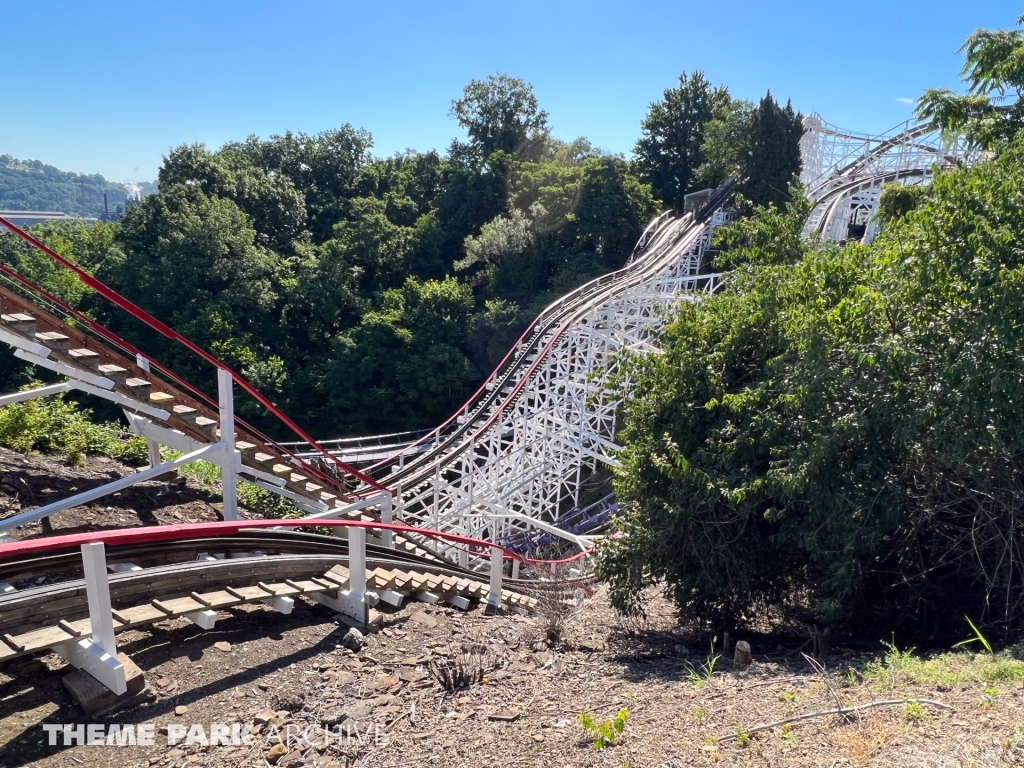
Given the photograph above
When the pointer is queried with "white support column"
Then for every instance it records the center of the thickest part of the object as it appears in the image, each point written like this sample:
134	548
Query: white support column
494	595
97	655
97	589
32	394
229	464
357	561
151	445
387	538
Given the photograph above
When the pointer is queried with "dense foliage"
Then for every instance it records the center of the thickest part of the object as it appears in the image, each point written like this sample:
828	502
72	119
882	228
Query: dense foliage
29	185
362	294
698	136
839	433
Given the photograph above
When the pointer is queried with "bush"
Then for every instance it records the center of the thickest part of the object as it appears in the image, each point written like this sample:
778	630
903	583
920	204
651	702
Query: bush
56	425
841	429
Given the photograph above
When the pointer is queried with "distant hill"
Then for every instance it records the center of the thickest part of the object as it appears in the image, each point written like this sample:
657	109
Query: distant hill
34	186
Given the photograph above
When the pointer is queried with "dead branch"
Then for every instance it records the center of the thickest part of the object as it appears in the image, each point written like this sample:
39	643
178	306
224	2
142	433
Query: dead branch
842	711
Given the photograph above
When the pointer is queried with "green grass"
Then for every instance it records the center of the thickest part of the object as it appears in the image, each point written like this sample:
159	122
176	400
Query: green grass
904	666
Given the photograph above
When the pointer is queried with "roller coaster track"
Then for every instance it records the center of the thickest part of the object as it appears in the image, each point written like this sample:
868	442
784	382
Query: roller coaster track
504	476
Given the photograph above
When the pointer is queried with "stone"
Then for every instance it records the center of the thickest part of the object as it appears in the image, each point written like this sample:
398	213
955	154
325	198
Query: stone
353	639
264	717
424	619
222	646
359	711
95	698
385	681
333	716
343	677
412	675
504	717
276	752
742	655
538	737
291	759
180	710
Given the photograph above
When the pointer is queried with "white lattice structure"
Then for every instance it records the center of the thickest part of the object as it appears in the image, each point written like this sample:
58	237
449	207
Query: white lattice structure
517	455
844	171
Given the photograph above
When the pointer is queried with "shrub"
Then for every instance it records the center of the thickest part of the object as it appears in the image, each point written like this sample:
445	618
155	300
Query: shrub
842	425
57	425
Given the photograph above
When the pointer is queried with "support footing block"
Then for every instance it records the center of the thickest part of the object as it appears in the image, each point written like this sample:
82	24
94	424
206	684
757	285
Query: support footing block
95	698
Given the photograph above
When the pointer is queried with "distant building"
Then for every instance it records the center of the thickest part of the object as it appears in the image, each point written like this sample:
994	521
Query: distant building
28	218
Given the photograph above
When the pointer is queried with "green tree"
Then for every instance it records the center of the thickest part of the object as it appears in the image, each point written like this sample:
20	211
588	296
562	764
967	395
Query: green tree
841	425
501	114
771	160
669	152
991	114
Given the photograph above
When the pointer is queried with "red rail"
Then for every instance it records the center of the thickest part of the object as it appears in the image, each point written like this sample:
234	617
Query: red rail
184	531
142	315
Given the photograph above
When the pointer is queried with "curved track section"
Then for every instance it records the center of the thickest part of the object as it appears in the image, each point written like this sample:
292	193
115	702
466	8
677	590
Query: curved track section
517	455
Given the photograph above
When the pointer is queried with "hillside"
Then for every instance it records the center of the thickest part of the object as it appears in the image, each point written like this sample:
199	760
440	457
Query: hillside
31	185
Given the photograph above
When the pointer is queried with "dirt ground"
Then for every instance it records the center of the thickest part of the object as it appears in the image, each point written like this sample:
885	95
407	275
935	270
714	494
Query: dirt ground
286	674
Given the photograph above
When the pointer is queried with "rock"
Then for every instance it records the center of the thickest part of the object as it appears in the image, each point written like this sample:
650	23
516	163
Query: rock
263	686
386	681
353	639
174	754
359	711
264	717
163	682
180	710
423	735
333	716
742	654
424	619
222	646
291	759
343	677
504	717
538	737
276	753
412	675
488	737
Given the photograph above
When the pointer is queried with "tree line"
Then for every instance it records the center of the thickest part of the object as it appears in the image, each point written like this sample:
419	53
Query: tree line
367	294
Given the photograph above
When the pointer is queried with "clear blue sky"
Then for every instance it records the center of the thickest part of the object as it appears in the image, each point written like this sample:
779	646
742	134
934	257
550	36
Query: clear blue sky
109	87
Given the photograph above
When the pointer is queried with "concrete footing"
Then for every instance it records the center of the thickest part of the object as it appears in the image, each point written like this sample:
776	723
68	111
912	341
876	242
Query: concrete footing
96	699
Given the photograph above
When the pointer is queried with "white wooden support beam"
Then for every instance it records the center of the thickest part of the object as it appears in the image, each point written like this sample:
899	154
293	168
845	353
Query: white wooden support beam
515	569
88	656
152	446
97	589
391	597
103	490
229	482
280	604
387	538
122	400
494	594
357	561
65	370
458	601
12	339
203	619
158	435
33	394
428	597
97	655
